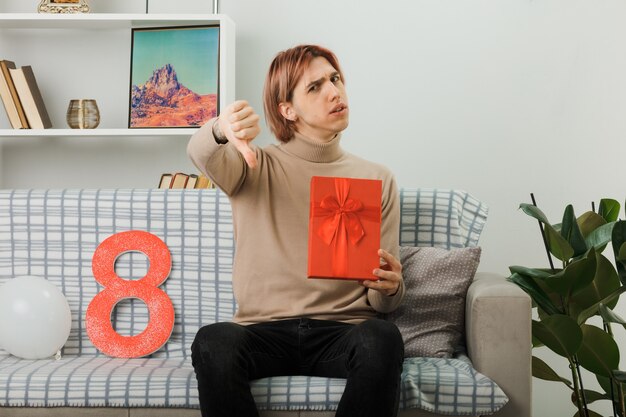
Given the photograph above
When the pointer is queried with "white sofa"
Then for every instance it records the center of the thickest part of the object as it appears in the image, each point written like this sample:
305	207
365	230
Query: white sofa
54	233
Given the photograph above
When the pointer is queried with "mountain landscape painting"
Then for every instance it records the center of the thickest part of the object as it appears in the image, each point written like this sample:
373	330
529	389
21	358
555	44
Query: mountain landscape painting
174	76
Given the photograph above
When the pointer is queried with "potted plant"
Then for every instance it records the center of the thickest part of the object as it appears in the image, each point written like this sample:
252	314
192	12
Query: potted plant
567	296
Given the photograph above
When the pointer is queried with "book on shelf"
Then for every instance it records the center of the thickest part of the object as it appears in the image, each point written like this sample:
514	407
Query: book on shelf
182	180
30	97
191	181
9	97
179	180
204	182
166	181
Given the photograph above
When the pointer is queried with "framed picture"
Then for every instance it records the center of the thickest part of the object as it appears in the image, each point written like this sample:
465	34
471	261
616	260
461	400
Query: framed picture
174	76
63	6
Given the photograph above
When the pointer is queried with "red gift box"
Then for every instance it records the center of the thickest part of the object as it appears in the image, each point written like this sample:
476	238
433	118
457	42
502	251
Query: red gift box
344	228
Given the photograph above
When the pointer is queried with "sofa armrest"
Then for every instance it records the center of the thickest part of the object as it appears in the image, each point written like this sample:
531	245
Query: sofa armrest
498	336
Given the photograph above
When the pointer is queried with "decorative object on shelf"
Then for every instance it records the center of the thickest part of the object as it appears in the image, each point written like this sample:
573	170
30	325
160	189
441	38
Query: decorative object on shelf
83	114
174	76
63	6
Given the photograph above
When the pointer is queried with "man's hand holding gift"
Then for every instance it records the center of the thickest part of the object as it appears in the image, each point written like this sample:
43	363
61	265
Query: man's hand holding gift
389	275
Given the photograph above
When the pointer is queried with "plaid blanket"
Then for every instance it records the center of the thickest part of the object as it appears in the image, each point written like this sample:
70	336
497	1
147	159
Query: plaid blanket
54	233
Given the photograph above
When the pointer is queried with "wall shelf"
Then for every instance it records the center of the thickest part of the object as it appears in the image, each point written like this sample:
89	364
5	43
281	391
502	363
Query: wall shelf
102	20
88	56
57	133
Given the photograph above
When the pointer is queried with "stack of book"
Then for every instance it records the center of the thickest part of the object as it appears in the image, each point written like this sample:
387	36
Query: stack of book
181	180
21	97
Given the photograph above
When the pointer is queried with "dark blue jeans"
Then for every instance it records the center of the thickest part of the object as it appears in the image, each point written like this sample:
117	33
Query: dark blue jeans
227	356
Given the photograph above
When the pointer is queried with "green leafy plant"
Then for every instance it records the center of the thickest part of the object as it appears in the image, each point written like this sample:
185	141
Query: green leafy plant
585	285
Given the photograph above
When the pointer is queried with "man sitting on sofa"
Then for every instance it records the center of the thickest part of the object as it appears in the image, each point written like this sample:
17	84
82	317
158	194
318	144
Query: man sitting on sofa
287	324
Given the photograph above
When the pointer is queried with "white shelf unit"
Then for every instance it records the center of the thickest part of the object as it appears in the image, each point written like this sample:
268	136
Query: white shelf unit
88	56
55	133
107	20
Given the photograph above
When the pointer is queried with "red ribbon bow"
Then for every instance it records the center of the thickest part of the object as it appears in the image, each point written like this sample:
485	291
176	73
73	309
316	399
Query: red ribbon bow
342	222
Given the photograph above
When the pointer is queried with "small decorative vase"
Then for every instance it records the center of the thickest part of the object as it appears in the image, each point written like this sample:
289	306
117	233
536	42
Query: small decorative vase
83	114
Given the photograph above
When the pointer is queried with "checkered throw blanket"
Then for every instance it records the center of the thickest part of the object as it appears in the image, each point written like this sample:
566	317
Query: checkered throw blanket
54	233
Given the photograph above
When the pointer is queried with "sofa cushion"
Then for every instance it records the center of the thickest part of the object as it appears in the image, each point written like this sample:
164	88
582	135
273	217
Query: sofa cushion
446	386
442	386
431	318
90	381
436	217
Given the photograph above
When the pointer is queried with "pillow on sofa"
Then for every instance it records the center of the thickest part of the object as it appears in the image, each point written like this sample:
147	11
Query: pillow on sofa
431	318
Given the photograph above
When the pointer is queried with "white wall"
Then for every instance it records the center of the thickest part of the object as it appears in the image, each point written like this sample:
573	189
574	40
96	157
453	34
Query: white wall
498	97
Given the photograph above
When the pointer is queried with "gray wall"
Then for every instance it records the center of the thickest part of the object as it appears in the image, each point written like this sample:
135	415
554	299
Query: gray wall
498	97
